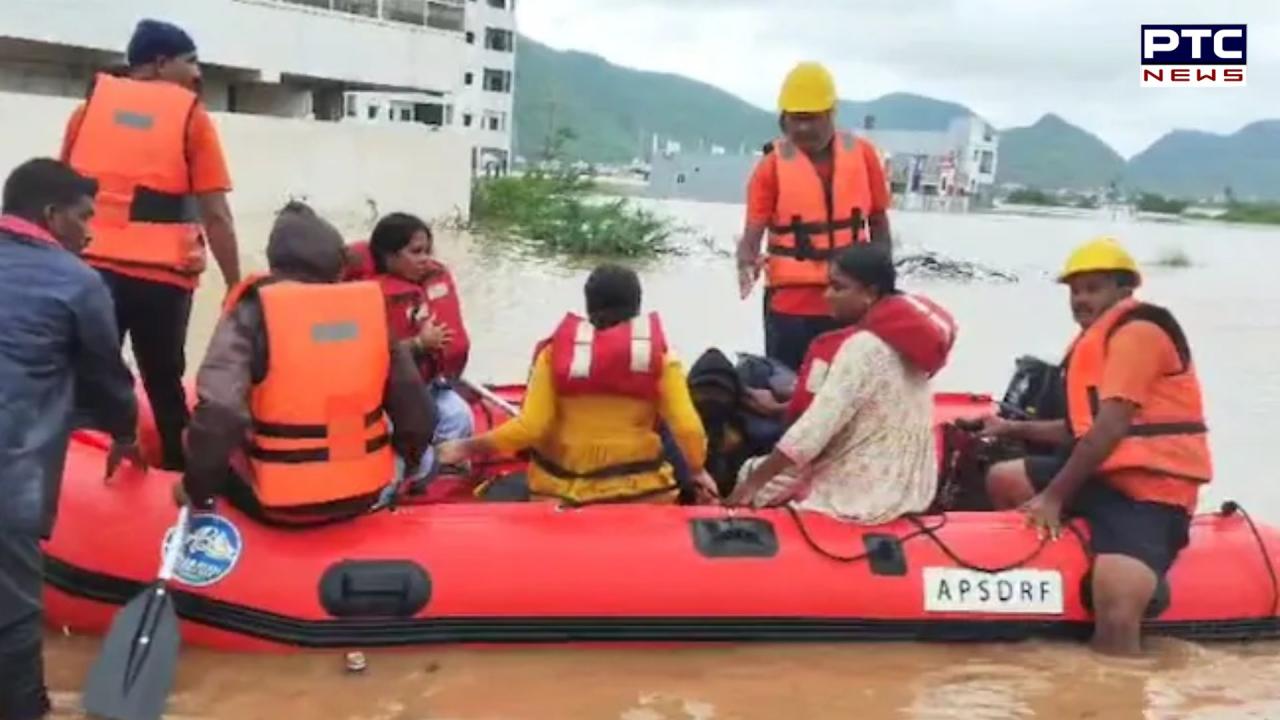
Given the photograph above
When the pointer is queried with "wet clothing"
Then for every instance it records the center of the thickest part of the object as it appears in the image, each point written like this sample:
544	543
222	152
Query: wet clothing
60	364
303	249
22	691
1152	533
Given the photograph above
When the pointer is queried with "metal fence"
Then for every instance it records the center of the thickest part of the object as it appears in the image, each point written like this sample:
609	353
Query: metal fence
440	14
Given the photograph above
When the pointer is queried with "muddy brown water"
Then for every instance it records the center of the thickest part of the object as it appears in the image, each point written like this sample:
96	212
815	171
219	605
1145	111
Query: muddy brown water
1229	300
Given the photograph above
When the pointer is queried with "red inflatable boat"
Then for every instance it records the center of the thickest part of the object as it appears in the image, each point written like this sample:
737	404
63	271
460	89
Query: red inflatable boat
438	569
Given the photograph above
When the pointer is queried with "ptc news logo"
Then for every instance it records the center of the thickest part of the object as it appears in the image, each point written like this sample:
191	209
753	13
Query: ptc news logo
1193	55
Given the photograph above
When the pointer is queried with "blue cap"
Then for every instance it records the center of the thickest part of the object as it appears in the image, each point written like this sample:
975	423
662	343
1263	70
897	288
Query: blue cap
153	40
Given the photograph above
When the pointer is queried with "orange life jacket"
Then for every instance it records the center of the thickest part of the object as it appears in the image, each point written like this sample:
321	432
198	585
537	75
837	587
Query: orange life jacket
812	222
133	141
625	359
241	289
319	432
1168	435
918	329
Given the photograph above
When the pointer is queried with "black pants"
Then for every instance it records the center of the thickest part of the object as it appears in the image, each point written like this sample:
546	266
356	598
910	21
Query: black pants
155	317
787	337
22	690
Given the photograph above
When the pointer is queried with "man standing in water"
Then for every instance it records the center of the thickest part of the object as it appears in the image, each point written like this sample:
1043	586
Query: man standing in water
148	141
58	348
816	191
1135	446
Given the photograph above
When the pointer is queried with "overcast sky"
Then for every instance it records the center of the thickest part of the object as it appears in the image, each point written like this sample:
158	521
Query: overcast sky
1010	60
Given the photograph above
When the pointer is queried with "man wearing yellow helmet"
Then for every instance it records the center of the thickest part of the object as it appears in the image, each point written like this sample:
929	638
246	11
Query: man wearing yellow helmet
1134	443
815	191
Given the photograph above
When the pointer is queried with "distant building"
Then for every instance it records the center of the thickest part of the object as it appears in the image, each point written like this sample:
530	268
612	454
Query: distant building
440	63
959	162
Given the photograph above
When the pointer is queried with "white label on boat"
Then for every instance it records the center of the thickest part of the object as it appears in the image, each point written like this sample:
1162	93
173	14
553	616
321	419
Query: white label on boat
1013	592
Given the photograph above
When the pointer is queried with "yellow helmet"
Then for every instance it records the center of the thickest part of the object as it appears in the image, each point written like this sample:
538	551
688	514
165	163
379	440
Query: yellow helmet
1099	254
809	88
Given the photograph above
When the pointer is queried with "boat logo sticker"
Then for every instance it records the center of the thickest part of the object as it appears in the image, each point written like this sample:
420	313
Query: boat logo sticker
212	547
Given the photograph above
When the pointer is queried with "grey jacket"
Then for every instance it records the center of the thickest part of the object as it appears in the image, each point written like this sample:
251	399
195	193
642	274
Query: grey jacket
59	350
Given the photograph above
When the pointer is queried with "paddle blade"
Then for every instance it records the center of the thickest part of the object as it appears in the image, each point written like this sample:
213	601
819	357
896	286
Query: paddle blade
133	674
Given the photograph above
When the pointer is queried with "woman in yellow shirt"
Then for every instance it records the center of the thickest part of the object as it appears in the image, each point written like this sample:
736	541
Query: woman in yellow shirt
599	387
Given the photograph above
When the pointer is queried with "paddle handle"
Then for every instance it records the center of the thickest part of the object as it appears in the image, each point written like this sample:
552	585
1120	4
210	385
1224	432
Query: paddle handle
489	395
174	551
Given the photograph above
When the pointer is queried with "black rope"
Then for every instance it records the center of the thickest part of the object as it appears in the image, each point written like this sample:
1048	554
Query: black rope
1231	507
930	531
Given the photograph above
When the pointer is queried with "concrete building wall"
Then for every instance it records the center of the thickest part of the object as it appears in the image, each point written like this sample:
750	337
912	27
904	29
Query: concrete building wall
491	29
707	178
349	172
268	38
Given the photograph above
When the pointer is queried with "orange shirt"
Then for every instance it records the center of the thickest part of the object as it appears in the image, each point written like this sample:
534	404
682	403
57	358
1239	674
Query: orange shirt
1138	355
209	174
762	198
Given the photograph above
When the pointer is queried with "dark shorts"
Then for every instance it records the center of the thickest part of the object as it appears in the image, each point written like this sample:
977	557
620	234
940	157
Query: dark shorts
1150	532
22	691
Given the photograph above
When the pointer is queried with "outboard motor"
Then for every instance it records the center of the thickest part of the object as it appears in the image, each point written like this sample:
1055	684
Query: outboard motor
1036	392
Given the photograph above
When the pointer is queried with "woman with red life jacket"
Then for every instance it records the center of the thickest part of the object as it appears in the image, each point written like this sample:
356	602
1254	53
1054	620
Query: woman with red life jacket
861	444
423	313
599	388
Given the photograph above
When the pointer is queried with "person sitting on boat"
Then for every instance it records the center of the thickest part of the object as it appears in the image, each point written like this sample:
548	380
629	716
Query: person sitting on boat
303	366
424	311
597	391
1135	448
861	443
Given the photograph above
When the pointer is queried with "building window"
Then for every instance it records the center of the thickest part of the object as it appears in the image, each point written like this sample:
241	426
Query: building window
500	4
471	38
988	160
500	40
351	106
466	119
469	79
494	121
497	80
406	115
373	112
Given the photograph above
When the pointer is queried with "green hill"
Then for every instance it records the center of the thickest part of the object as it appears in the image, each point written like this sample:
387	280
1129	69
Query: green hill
1053	154
615	111
1194	164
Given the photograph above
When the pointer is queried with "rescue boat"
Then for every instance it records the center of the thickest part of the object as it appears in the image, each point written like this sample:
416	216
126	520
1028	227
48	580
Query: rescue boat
442	567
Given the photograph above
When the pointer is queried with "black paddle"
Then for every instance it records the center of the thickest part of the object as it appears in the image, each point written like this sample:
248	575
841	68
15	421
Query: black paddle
133	674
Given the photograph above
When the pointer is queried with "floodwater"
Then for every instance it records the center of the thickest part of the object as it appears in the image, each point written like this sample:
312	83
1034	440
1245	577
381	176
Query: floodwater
1228	299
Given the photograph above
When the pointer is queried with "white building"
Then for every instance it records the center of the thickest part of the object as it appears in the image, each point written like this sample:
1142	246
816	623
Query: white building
440	63
275	71
485	104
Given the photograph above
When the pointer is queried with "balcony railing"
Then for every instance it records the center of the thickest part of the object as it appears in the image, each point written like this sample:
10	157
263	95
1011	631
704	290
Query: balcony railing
439	14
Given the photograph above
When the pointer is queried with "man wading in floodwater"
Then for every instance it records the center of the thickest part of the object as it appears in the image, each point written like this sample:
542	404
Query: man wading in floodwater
1136	449
816	191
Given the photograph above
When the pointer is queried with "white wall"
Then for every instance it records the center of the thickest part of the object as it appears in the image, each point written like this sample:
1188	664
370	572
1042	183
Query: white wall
475	99
258	35
347	171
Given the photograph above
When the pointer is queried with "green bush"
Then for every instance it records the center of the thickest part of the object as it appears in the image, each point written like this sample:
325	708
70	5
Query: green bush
554	213
1032	196
1265	213
1153	203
